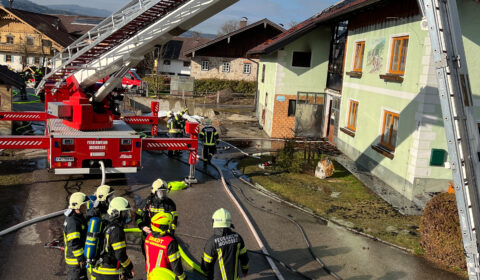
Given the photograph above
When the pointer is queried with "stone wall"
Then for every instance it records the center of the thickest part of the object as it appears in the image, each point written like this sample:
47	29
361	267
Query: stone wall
5	106
215	71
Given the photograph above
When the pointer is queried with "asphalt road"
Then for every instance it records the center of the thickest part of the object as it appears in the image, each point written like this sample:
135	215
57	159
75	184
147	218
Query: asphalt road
22	255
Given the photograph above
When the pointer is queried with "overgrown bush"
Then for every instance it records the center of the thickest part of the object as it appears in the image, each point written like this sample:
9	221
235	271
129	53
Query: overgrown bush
157	83
214	85
287	159
440	235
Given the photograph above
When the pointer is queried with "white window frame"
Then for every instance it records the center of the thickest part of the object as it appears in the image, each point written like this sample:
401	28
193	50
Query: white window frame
247	66
226	67
205	65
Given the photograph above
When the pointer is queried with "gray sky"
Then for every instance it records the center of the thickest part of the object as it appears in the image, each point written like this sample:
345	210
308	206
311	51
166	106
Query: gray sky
278	11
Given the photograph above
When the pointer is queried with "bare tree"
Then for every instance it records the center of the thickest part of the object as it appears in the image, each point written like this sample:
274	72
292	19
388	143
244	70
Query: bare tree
291	24
228	27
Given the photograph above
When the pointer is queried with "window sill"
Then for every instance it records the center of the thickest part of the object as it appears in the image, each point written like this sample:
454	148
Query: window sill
347	131
354	74
383	151
392	78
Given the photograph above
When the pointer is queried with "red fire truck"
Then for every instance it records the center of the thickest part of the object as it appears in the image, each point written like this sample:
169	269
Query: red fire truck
85	133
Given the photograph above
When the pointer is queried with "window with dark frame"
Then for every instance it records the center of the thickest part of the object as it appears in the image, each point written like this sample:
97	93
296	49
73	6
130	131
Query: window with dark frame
352	115
30	41
359	52
247	68
292	105
186	64
398	57
167	62
37	60
205	65
389	130
226	67
263	73
8	58
302	59
9	39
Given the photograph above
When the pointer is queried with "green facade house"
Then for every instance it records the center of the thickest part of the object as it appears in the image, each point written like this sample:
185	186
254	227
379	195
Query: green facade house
389	121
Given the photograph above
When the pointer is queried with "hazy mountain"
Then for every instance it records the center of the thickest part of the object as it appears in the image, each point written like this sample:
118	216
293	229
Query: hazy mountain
190	34
32	7
79	10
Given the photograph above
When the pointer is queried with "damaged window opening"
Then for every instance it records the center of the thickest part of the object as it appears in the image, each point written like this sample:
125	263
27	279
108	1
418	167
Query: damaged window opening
302	59
337	56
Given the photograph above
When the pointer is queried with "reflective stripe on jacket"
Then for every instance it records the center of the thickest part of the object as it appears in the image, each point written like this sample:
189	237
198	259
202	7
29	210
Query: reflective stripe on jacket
163	252
209	136
222	254
74	235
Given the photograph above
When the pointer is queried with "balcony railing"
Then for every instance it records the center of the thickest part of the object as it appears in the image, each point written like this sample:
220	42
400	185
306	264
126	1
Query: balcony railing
23	49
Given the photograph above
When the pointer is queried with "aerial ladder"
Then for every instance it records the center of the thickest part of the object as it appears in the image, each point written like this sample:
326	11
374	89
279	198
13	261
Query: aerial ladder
459	116
84	132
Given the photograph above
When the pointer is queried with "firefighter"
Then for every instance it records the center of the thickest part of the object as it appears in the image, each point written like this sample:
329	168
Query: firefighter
74	235
181	119
115	263
100	206
224	250
174	127
38	75
209	137
155	203
161	248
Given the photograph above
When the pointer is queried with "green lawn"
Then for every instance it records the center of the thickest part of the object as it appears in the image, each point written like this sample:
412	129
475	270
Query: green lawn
340	198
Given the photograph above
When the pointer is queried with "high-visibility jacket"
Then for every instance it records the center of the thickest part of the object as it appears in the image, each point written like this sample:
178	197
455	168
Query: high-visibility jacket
153	205
115	260
222	254
162	251
174	125
74	235
209	136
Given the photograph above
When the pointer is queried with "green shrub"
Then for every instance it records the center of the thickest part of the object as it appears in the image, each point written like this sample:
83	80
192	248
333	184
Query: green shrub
287	159
214	85
440	235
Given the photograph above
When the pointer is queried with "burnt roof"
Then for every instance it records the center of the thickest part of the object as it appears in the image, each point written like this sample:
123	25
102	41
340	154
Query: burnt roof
175	48
9	77
78	25
333	12
265	22
50	26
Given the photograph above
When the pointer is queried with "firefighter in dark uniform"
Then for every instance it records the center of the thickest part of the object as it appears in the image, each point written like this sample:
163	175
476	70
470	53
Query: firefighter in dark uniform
100	205
155	203
115	262
156	243
74	235
181	119
175	130
209	138
224	250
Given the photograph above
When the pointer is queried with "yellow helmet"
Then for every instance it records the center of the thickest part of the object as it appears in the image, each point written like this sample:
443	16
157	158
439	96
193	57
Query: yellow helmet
159	184
117	205
161	273
77	200
161	222
222	219
103	192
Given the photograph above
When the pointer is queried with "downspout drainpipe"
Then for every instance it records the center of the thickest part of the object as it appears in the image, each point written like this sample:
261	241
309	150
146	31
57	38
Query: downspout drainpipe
258	71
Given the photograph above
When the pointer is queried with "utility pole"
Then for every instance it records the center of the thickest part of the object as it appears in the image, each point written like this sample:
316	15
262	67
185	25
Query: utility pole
459	117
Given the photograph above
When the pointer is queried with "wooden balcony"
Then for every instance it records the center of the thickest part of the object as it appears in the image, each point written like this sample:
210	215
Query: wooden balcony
22	49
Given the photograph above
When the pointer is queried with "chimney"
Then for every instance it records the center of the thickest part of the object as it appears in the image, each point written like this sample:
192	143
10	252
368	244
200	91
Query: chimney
243	22
10	3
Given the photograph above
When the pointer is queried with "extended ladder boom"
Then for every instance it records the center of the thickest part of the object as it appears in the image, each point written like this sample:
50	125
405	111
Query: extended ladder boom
120	41
459	119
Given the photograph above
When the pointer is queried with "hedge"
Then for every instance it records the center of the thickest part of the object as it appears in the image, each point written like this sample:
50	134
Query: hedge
214	85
